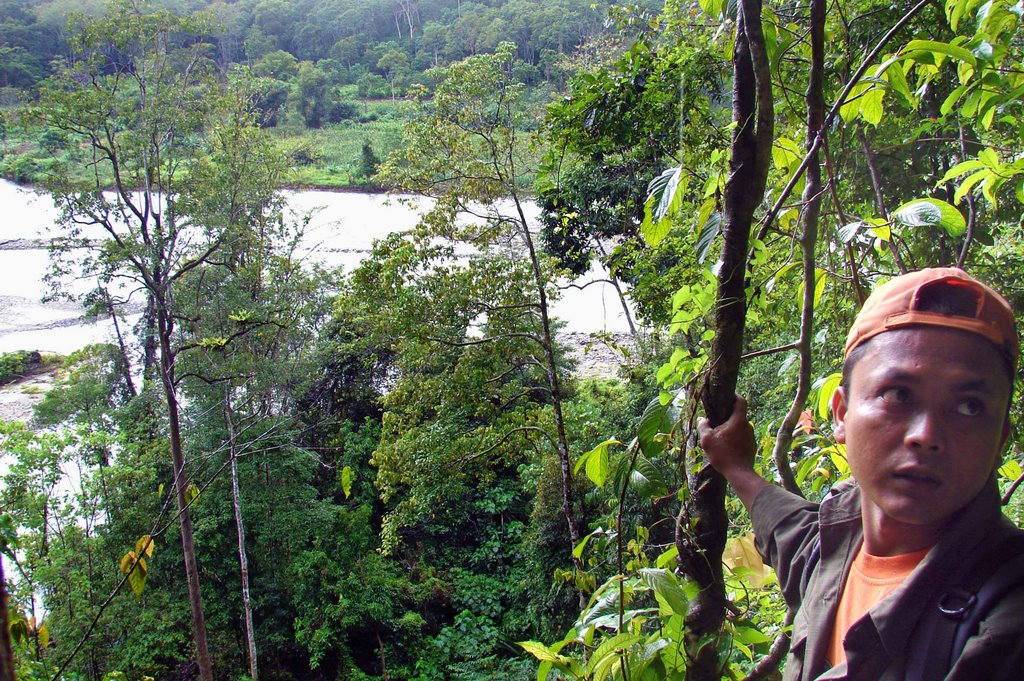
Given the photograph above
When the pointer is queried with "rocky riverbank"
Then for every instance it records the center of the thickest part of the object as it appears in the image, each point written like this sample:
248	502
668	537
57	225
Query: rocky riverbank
18	397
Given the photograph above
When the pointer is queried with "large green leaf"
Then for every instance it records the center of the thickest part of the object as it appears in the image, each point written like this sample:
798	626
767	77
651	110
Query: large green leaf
646	479
609	653
826	387
933	51
666	589
597	462
138	576
711	229
663	199
931	213
657	419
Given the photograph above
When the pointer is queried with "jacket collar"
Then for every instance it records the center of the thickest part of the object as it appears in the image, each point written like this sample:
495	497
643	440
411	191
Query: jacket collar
893	621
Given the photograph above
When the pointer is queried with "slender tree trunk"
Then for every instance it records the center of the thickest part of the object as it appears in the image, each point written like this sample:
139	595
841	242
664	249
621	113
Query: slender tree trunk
126	364
195	601
808	238
380	651
621	294
876	184
701	538
6	651
148	334
551	367
243	561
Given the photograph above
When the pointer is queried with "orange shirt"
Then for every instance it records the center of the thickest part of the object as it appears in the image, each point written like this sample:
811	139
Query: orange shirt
871	579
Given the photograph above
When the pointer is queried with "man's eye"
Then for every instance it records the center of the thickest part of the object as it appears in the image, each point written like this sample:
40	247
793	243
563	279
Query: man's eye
970	407
896	395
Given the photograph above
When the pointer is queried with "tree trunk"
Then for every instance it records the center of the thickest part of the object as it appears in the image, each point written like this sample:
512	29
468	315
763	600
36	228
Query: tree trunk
195	601
243	561
808	238
551	367
126	364
618	290
149	337
6	652
701	537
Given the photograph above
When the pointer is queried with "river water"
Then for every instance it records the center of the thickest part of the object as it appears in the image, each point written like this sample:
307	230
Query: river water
341	232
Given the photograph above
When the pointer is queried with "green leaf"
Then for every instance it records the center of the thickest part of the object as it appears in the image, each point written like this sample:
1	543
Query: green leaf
934	47
137	578
661	199
711	229
667	558
871	104
609	655
820	279
713	8
1011	470
347	477
144	546
8	535
837	455
969	183
750	636
851	107
848	232
666	589
951	100
19	631
544	654
577	551
962	168
191	493
646	479
891	70
825	391
596	462
931	213
657	419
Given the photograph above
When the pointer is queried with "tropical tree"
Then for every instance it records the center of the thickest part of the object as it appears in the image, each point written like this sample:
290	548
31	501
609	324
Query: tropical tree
465	148
190	176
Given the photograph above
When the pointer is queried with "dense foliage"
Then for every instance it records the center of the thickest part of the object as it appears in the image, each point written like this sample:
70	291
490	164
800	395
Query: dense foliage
327	72
393	472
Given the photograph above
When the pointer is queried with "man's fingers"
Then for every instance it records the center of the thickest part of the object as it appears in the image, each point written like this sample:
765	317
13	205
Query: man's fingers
703	428
739	408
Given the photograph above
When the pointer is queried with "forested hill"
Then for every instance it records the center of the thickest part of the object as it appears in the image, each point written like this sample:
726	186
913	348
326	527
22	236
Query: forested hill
331	74
349	38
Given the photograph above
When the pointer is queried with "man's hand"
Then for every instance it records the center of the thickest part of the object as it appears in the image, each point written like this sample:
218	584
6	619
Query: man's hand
731	450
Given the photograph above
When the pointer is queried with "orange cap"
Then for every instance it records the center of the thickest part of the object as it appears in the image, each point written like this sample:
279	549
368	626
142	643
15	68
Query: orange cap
908	300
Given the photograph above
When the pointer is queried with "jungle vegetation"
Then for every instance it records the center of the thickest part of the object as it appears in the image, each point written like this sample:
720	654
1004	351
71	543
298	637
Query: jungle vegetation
393	472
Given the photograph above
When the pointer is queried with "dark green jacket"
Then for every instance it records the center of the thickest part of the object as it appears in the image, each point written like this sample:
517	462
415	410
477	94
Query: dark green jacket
879	644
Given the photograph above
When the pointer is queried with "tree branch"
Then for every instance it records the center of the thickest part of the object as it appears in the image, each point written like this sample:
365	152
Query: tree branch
834	111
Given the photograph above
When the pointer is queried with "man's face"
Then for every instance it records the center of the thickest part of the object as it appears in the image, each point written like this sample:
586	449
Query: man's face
924	422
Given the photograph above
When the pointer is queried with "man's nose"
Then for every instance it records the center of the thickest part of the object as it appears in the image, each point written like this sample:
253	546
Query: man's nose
924	431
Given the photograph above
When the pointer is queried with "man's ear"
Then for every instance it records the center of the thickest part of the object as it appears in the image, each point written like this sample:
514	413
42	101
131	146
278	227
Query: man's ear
839	414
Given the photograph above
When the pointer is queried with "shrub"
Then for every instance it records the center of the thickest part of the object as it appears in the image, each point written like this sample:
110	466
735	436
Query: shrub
14	365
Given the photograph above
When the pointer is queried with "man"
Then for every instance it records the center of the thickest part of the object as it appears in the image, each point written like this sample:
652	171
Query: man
923	412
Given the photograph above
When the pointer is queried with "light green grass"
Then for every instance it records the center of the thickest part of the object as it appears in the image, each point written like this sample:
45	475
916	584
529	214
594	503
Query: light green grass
335	150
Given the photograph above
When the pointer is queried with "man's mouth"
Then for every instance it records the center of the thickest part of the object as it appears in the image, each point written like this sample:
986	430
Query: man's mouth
917	477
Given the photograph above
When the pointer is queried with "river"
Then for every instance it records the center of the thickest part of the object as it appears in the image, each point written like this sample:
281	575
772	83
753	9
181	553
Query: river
341	232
